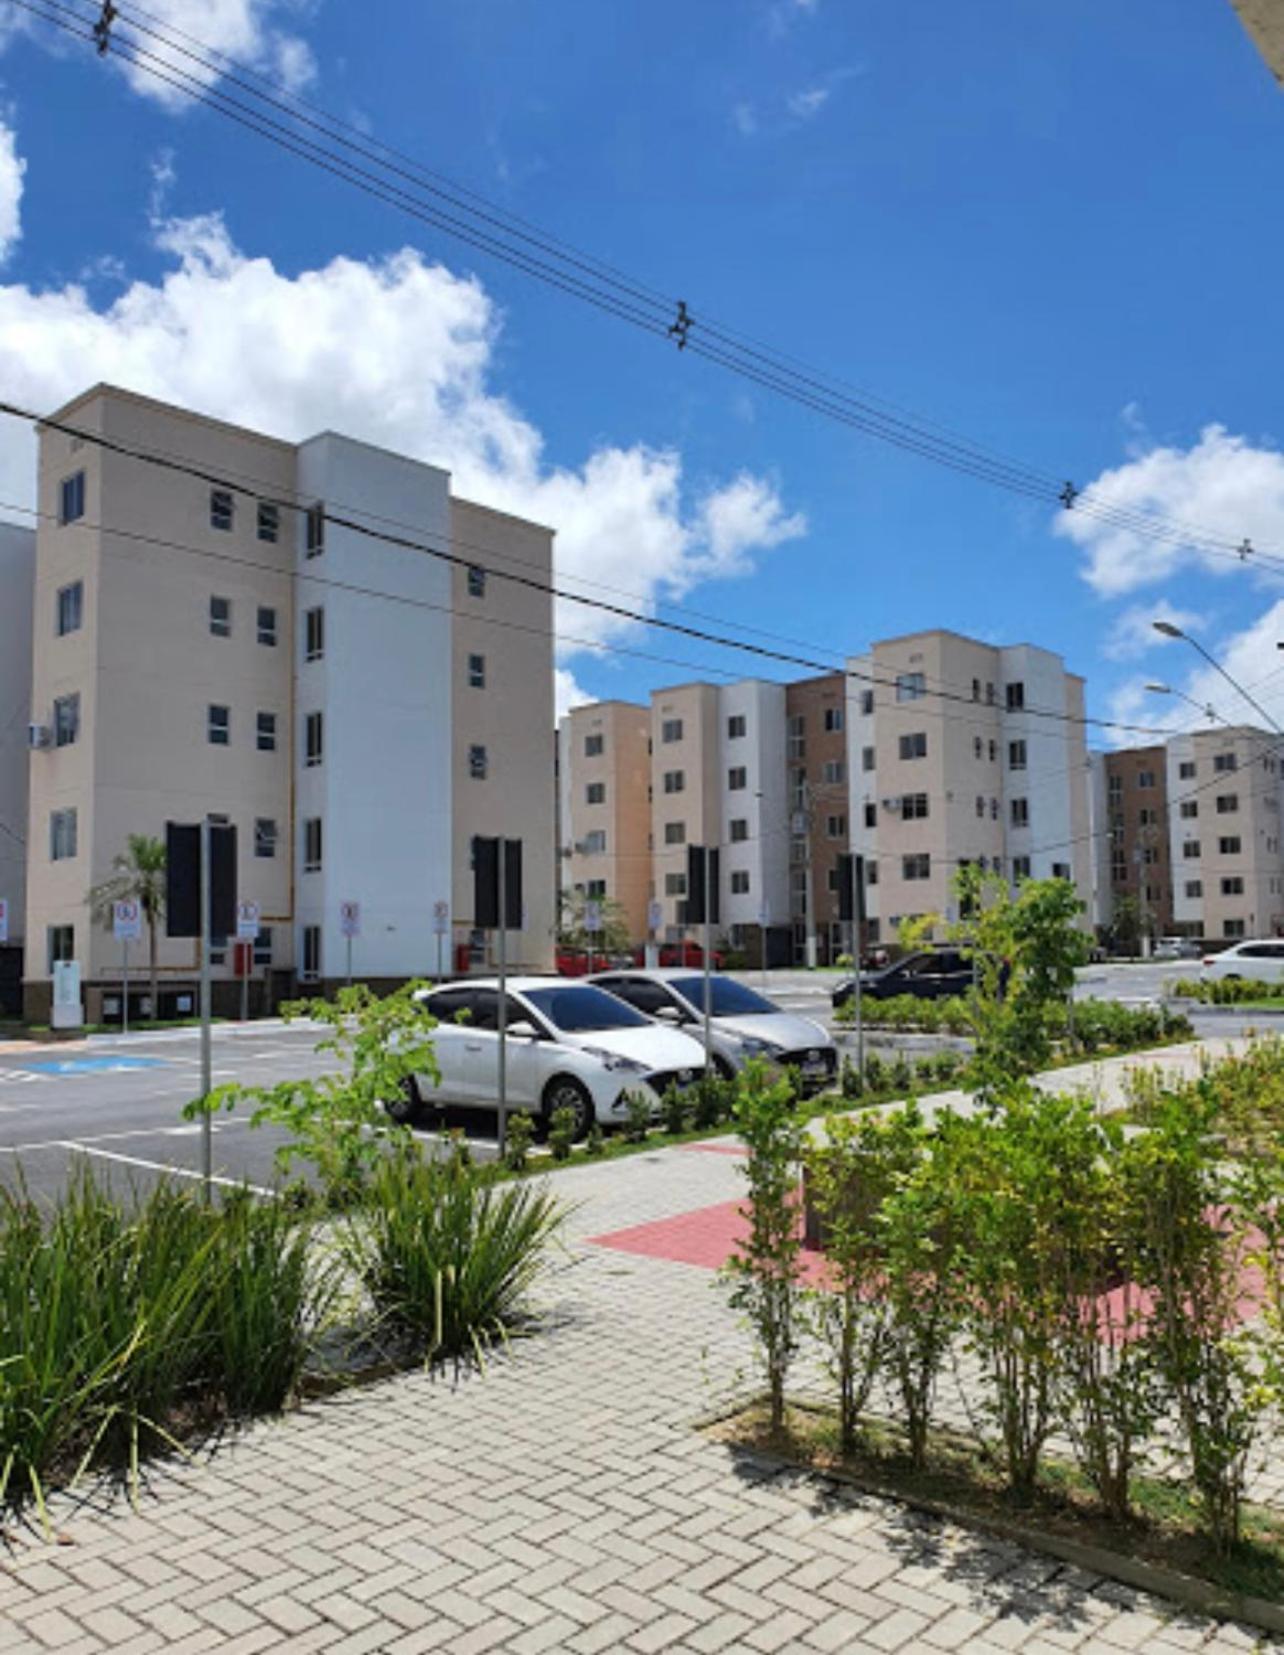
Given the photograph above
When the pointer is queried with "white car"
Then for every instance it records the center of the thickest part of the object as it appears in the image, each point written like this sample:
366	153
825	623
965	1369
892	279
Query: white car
743	1024
1258	961
569	1045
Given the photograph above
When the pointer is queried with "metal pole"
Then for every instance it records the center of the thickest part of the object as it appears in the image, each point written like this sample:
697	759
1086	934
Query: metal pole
503	999
349	959
245	986
207	1129
440	973
124	986
708	981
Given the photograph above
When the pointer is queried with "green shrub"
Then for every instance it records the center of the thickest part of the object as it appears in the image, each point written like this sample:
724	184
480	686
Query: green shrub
594	1142
637	1117
447	1254
851	1083
900	1073
675	1110
561	1132
875	1074
519	1134
712	1101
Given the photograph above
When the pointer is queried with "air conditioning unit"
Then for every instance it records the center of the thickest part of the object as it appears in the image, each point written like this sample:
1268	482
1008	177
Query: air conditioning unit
39	735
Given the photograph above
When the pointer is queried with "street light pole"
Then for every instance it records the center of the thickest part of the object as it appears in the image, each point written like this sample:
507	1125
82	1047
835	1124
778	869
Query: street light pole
1168	630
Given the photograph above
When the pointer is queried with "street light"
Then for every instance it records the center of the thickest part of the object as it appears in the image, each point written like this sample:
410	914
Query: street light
1169	630
1207	709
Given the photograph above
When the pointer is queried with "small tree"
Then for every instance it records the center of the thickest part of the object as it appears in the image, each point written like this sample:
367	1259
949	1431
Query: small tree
138	875
614	936
764	1272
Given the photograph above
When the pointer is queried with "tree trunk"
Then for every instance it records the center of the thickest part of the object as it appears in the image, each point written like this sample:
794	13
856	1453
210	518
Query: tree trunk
151	939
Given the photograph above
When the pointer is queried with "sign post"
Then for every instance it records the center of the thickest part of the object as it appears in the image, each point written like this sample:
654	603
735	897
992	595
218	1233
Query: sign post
592	927
248	915
764	925
350	925
127	924
851	907
703	865
654	922
207	1066
441	926
497	906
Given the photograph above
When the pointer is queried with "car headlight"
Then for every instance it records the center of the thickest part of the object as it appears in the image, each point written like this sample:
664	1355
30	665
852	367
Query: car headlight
615	1060
751	1046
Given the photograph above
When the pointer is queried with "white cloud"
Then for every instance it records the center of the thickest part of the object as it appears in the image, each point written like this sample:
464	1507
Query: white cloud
803	105
567	692
1133	632
782	16
398	352
745	119
255	32
1222	484
12	168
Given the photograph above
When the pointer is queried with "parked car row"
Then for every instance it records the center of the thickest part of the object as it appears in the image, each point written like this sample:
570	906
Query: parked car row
581	962
589	1046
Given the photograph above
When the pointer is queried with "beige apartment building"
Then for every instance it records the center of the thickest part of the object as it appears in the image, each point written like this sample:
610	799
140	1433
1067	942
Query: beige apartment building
1223	823
820	811
605	772
685	795
236	640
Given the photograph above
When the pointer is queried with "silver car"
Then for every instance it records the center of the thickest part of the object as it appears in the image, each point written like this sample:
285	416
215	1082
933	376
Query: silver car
743	1024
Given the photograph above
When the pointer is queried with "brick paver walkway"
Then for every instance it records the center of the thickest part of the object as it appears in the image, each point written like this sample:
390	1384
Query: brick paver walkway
560	1502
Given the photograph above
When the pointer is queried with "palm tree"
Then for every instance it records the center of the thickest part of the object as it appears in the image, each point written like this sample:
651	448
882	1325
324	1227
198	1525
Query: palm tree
138	875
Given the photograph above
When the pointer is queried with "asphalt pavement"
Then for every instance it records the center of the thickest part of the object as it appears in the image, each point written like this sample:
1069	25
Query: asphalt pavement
115	1102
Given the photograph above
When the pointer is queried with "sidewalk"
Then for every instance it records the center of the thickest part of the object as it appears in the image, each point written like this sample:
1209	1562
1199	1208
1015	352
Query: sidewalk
562	1502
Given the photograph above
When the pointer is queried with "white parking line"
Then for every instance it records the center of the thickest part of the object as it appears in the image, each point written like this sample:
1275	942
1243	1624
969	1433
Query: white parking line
186	1131
164	1166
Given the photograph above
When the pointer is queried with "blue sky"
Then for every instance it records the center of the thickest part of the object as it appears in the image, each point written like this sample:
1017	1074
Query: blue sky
1056	231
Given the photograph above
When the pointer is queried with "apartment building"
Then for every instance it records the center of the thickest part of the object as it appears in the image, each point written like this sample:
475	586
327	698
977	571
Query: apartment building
258	658
1223	829
17	577
1137	842
960	751
604	770
820	813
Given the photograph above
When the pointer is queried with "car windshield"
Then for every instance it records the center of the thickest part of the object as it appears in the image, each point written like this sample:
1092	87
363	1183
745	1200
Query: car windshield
582	1010
727	997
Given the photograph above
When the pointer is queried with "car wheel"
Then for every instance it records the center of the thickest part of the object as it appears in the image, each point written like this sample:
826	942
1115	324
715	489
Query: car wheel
407	1108
565	1092
723	1069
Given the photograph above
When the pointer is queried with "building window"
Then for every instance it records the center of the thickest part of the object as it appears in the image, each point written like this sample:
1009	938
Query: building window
218	726
797	736
1061	870
476	672
313	740
62	835
595	842
269	522
675	833
833	719
312	845
1233	928
980	805
477	763
1227	804
222	510
989	695
737	725
994	751
267	626
871	871
914	746
913	807
1233	886
1186	770
221	617
1020	867
593	746
675	884
71	498
1145	778
314	634
871	815
1194	887
910	686
60	944
739	829
867	703
671	729
1020	813
310	969
1147	817
71	607
1114	786
595	793
1189	810
1016	697
1229	846
265	734
867	758
595	890
976	689
675	781
263	946
1016	755
740	882
265	836
978	747
314	530
918	866
1190	848
835	827
1150	856
833	771
476	582
1223	762
737	779
66	719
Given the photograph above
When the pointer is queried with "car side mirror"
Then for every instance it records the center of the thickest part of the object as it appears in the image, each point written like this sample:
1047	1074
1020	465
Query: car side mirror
670	1014
523	1030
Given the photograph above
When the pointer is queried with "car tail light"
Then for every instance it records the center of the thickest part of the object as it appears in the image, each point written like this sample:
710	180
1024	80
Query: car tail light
1207	959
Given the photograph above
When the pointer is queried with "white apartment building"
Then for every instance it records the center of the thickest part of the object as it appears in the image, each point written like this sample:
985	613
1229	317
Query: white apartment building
959	751
218	644
1224	808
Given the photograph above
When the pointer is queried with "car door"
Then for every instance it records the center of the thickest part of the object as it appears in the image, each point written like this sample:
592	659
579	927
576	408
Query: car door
523	1055
652	999
449	1041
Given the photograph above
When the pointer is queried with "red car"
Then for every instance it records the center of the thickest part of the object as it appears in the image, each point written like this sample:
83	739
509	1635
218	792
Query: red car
578	962
688	955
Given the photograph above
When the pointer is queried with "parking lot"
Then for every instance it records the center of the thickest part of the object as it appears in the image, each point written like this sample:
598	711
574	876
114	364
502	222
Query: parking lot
116	1102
